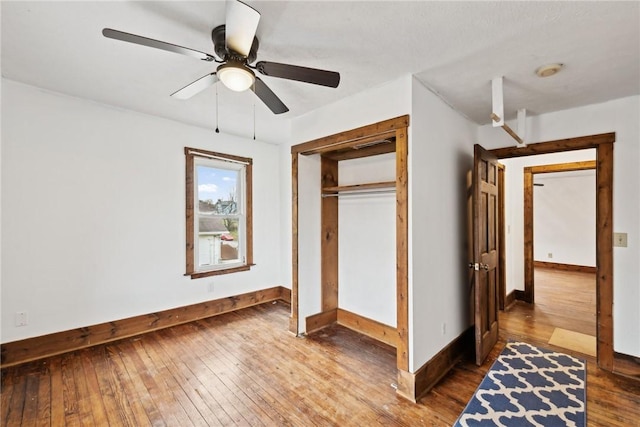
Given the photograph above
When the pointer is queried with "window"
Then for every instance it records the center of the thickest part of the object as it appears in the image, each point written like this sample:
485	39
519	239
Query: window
218	213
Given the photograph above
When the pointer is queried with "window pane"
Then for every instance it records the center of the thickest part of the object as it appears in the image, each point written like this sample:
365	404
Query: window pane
217	191
218	213
218	242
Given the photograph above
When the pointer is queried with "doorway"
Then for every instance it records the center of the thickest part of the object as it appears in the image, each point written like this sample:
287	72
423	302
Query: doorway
603	143
559	203
529	185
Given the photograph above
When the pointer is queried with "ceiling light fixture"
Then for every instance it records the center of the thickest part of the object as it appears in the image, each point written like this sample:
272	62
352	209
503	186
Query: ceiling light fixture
549	69
236	76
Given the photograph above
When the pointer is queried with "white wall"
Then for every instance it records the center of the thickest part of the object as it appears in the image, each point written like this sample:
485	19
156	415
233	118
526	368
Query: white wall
564	218
514	205
309	230
377	104
620	116
440	156
93	213
367	241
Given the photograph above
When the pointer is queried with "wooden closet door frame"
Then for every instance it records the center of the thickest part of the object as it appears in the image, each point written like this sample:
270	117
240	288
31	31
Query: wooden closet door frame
363	142
603	143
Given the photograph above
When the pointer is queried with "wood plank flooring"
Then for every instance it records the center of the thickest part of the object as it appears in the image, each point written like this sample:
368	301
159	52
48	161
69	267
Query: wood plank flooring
244	368
563	299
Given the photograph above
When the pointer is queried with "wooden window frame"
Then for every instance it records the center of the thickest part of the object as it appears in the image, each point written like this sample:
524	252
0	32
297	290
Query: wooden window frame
190	155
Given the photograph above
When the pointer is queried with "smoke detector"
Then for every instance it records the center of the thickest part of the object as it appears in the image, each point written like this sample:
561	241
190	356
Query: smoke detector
549	69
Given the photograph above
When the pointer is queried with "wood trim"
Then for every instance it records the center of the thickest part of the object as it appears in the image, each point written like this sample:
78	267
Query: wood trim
320	320
293	320
358	187
563	167
371	328
414	386
626	365
363	325
519	295
189	214
603	143
248	197
555	146
357	153
30	349
357	147
190	154
194	152
329	238
529	282
604	254
285	294
565	267
352	137
402	248
219	272
502	257
510	299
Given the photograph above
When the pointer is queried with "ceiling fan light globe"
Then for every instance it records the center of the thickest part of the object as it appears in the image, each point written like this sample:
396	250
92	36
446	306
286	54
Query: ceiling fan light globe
236	77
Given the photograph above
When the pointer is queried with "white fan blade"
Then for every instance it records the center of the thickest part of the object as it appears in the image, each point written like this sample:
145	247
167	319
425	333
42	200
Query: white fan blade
196	87
241	26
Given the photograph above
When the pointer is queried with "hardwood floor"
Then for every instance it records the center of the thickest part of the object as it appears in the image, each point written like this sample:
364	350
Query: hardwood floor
244	368
563	299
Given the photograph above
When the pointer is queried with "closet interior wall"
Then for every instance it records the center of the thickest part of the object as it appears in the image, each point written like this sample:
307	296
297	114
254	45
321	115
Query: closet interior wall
367	240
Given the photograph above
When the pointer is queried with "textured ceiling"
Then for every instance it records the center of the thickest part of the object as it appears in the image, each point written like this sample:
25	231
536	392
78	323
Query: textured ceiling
454	48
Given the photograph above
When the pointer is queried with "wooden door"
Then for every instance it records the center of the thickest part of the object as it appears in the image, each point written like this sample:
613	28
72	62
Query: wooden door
485	250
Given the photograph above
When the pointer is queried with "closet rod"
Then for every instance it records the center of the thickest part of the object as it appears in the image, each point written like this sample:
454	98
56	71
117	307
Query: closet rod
360	193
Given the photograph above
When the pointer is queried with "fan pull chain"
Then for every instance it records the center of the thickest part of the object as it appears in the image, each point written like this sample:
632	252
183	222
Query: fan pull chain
217	130
254	121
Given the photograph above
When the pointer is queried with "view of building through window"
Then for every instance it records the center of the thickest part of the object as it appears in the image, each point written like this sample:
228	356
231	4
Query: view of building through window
219	237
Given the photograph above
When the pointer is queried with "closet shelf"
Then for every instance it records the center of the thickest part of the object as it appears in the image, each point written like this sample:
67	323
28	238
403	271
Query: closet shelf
358	187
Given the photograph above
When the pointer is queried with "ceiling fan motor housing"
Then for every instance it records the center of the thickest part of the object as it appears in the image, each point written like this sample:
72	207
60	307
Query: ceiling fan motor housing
220	47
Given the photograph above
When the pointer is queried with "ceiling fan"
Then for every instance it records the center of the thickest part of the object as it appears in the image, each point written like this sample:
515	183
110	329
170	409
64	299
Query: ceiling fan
236	45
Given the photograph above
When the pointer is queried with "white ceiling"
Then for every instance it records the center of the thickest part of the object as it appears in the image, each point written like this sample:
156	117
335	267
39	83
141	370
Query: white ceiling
454	48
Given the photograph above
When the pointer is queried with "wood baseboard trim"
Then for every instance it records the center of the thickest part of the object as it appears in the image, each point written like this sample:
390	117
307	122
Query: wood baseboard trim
414	386
285	294
509	299
371	328
520	295
626	365
315	322
363	325
30	349
565	267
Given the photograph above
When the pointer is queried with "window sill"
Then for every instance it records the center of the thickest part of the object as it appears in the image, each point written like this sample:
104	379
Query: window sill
200	274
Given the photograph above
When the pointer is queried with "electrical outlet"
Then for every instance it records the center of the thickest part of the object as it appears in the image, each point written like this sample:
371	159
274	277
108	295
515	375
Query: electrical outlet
210	287
549	255
21	318
444	328
620	240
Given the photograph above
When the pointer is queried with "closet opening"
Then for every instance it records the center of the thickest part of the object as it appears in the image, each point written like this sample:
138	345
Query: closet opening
342	184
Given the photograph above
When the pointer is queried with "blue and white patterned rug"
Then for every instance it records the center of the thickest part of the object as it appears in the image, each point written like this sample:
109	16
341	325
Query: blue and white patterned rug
529	386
